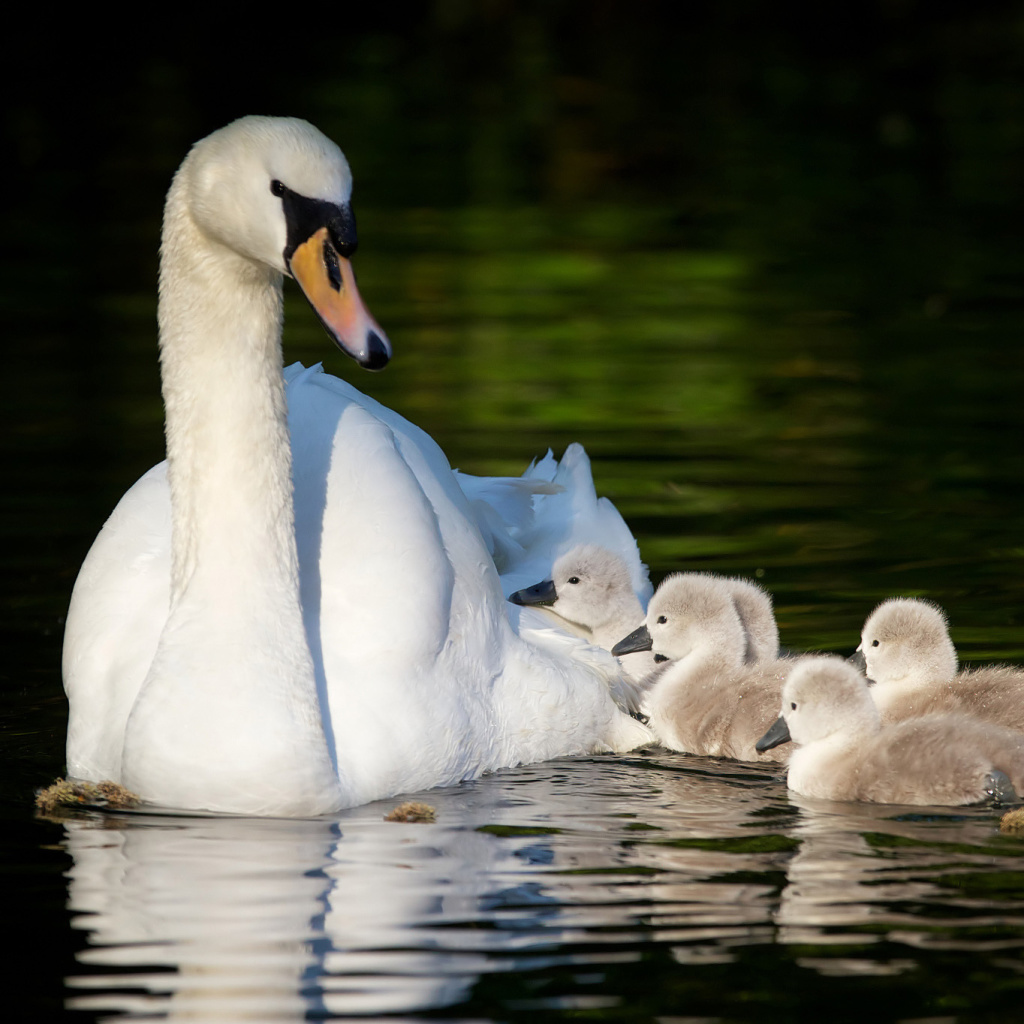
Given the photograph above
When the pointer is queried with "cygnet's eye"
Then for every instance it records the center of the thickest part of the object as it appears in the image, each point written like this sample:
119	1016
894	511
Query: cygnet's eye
277	187
573	579
662	620
874	643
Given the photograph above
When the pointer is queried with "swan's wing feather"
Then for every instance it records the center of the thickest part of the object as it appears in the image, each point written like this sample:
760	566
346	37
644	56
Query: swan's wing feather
453	662
570	516
118	609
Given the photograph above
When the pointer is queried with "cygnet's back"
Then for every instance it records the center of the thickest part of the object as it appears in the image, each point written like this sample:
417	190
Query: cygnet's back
591	591
708	700
912	663
844	753
754	607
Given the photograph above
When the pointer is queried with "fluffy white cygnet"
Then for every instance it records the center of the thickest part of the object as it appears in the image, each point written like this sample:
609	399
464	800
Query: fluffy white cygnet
912	663
591	594
844	753
709	700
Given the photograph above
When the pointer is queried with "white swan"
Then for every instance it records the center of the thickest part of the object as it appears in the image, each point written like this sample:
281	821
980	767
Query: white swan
273	628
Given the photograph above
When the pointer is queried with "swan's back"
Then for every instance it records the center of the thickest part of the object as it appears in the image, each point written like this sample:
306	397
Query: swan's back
421	665
424	680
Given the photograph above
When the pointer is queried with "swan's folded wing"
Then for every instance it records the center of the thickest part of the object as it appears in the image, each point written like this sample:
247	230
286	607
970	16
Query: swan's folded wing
118	609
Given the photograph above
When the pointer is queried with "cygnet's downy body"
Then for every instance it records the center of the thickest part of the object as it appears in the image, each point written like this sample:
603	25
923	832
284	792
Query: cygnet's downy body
591	594
843	752
709	700
912	663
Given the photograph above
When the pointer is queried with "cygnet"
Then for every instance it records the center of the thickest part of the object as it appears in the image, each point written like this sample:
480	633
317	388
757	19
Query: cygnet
843	752
591	591
709	700
911	661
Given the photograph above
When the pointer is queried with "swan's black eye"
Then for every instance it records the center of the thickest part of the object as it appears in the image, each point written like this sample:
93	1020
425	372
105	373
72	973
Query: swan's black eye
277	188
662	620
792	706
661	657
331	265
874	643
573	579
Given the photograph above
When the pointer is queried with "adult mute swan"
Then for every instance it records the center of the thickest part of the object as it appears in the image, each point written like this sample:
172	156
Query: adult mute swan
297	612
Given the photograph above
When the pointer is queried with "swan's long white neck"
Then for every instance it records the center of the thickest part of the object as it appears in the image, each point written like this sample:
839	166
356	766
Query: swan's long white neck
233	676
229	460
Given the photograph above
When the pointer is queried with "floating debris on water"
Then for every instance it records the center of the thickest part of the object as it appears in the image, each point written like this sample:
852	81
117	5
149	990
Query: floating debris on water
85	794
412	811
1012	821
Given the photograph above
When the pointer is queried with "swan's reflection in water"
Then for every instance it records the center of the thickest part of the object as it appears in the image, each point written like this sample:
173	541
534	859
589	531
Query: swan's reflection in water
582	873
867	874
210	916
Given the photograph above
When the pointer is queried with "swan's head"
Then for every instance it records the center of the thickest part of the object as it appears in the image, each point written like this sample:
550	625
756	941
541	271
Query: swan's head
907	639
587	586
689	611
822	697
277	191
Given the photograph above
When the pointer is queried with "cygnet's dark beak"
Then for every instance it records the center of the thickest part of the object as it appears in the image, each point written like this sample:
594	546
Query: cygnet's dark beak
638	640
539	594
774	737
860	663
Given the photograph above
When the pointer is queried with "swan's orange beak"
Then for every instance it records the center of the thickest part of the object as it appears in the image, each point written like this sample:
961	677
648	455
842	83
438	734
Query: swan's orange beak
329	283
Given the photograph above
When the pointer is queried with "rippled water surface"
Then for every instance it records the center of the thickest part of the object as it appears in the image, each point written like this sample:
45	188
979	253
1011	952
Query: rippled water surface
770	275
653	885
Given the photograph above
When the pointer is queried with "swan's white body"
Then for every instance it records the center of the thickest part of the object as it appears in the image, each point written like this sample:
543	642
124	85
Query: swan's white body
230	648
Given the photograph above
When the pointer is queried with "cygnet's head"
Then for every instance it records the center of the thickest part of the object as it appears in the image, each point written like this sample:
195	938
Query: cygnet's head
822	697
690	611
907	639
278	192
588	585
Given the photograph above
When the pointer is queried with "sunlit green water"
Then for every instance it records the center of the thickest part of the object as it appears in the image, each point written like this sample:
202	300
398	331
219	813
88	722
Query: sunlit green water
769	274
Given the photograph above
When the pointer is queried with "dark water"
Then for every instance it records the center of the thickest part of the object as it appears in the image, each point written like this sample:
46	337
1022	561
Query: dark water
768	271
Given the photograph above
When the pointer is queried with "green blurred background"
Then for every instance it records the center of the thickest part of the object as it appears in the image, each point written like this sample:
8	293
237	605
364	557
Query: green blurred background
763	263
